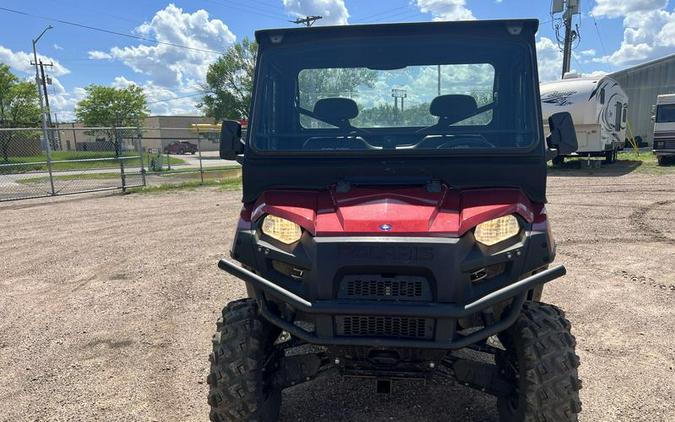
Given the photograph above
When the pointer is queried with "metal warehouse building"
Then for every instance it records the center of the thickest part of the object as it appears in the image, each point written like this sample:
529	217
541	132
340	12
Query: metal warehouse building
642	84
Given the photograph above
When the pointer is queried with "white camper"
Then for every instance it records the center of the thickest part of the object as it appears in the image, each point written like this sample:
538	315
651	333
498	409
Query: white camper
664	129
598	107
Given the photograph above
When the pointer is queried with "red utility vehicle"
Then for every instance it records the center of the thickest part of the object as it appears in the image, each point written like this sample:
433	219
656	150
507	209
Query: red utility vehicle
389	237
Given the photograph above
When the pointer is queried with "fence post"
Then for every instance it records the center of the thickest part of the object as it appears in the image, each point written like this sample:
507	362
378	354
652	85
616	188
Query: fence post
140	154
49	156
199	148
118	150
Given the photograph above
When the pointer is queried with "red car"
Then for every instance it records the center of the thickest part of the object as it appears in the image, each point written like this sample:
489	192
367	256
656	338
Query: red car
180	147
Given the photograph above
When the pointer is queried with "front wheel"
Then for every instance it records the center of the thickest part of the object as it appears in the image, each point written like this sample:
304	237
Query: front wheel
664	160
541	362
240	387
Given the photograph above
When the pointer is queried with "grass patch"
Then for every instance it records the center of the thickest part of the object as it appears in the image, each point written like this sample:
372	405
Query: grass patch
191	185
36	162
627	162
67	177
210	174
185	174
225	179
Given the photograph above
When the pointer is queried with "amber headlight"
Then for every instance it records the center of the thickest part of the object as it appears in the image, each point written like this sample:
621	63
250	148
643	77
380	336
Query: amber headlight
497	230
281	229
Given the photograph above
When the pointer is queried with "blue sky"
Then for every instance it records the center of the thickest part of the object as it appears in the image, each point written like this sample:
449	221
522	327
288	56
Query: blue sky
628	32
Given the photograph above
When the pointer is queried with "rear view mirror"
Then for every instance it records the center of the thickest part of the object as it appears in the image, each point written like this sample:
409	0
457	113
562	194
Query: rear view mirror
563	136
230	140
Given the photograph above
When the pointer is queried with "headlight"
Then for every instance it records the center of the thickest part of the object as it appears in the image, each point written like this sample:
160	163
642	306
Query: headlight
497	230
281	229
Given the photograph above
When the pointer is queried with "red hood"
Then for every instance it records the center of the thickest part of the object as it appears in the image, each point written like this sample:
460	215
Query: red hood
392	210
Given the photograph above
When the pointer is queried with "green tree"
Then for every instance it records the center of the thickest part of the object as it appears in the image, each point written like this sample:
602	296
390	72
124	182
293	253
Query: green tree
230	82
19	107
106	106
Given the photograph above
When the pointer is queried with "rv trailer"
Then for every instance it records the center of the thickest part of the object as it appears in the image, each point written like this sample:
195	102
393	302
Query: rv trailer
664	129
598	107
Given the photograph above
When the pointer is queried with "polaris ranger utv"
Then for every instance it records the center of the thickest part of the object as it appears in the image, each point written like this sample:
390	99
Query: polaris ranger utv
377	240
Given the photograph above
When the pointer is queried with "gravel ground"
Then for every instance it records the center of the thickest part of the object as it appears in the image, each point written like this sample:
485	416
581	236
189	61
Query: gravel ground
107	306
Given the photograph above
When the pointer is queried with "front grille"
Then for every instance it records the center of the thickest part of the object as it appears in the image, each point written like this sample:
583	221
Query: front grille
379	287
384	326
664	143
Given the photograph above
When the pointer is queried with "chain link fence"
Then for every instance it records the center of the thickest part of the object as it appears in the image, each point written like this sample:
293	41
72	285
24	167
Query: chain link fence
74	159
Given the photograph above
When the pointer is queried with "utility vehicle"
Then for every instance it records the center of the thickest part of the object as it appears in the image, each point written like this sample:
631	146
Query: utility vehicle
598	107
379	237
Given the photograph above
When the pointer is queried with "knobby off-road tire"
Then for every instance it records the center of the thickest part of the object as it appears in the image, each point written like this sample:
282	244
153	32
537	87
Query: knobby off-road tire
243	354
541	361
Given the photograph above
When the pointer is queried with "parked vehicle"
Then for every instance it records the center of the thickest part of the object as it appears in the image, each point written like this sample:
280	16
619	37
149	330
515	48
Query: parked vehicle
417	233
664	129
598	107
180	147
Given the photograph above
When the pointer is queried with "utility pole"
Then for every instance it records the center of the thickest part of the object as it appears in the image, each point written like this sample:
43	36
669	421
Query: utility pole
45	82
568	8
45	137
307	20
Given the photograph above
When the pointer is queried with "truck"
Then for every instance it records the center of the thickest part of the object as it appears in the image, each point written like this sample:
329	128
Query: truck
664	129
405	241
598	106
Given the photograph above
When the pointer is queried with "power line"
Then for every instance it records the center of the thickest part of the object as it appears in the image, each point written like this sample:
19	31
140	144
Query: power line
381	13
597	31
247	8
166	100
405	14
108	31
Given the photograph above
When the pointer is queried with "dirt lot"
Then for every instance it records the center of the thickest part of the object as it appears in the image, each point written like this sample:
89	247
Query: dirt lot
107	305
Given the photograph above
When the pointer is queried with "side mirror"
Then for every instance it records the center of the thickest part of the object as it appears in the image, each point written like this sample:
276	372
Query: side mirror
563	136
230	140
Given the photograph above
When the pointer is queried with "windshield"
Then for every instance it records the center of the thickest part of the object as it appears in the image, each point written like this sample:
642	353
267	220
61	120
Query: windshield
395	95
665	113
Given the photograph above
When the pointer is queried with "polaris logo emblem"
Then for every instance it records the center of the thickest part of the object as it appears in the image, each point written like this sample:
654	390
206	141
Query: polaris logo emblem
385	227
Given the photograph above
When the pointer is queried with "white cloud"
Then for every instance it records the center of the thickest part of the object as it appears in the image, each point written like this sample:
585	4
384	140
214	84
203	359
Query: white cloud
588	53
170	66
20	61
334	12
549	59
164	101
57	47
446	10
99	55
60	101
647	35
618	8
649	30
595	74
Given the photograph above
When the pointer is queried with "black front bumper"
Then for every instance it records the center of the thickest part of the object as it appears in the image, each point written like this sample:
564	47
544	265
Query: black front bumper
515	292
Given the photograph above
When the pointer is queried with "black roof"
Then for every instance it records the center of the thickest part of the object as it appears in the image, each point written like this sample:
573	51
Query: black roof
482	27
